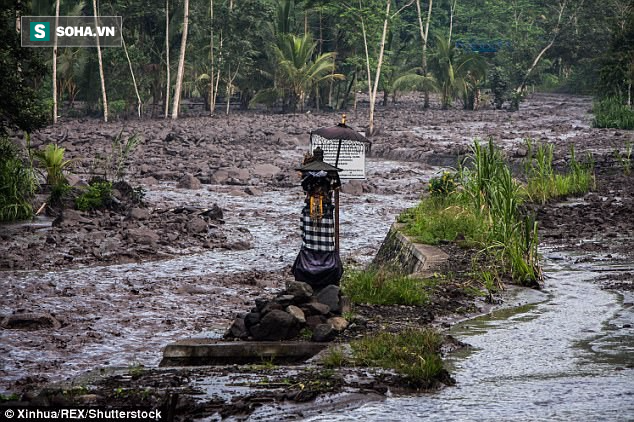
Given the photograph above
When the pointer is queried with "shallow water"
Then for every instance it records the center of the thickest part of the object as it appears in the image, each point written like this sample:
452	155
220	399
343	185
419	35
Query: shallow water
568	358
121	315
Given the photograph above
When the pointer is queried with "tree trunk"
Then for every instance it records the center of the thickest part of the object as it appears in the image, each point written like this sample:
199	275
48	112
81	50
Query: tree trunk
101	76
136	89
369	75
379	64
452	9
424	33
214	97
167	59
55	63
181	63
212	103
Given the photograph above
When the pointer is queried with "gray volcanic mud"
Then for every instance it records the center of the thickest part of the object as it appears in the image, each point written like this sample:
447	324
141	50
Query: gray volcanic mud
119	300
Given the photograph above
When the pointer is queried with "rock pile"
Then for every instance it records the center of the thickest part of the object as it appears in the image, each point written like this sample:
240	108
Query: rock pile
296	310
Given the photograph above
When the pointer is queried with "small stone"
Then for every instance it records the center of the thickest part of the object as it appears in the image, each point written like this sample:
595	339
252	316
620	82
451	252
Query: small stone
323	333
300	291
316	308
271	306
260	303
149	181
329	295
139	214
353	187
339	324
220	176
143	236
266	170
253	191
251	319
30	321
314	320
297	313
214	212
284	300
237	192
238	329
188	181
197	225
239	245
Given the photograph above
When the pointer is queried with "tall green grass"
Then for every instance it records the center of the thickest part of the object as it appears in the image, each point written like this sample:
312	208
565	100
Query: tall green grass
544	184
414	354
485	211
613	113
381	287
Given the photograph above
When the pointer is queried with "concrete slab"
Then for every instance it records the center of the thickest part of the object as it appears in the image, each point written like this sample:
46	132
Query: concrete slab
206	351
402	252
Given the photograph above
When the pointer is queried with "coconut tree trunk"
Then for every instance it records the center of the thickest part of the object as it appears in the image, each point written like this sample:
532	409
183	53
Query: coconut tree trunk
55	63
424	34
369	75
136	89
181	63
167	58
212	102
379	64
452	10
101	76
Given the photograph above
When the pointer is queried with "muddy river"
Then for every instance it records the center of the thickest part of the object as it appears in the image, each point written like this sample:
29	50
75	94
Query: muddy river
158	302
568	358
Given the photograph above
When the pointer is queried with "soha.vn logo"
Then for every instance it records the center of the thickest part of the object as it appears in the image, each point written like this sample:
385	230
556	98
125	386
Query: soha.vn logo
40	31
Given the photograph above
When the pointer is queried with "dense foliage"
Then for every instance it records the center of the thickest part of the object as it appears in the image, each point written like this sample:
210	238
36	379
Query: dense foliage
294	54
17	183
23	71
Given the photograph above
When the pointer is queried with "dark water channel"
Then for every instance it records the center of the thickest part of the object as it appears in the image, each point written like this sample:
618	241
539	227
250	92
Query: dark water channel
567	358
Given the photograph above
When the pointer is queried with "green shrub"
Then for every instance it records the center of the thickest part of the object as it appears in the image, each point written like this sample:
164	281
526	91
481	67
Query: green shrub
335	358
438	219
98	195
381	287
443	185
52	157
17	183
117	107
611	112
542	182
414	354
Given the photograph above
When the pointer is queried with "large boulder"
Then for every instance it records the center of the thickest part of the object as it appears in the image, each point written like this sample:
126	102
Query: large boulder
275	325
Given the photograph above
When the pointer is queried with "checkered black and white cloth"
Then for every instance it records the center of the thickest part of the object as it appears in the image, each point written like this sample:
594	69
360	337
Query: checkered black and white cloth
318	235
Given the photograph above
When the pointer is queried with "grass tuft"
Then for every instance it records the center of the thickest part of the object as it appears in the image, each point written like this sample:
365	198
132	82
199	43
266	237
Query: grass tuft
612	112
413	354
381	287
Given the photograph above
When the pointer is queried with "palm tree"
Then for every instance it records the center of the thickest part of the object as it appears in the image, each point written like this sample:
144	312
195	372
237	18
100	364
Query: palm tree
453	69
297	73
415	80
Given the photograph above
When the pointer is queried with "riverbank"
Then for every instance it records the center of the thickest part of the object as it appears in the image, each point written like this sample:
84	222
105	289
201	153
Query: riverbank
122	315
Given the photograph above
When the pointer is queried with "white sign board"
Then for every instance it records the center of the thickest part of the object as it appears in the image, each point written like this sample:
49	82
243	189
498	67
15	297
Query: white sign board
351	155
